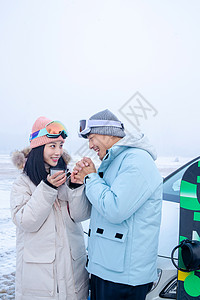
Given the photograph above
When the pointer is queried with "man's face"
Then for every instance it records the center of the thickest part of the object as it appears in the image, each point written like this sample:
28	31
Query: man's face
100	143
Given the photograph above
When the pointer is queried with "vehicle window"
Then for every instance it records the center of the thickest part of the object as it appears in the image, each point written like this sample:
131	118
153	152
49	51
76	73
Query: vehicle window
171	187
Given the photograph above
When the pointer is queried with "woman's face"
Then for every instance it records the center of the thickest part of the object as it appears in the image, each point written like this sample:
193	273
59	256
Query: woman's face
52	153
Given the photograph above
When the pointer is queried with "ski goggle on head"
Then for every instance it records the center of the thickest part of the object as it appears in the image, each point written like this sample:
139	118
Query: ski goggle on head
86	125
52	130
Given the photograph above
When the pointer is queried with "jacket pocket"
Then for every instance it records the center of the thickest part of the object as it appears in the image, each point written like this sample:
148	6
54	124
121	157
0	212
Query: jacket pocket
78	254
81	277
109	247
38	279
38	263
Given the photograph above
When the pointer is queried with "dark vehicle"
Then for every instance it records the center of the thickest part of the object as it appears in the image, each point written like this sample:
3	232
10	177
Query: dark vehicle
166	285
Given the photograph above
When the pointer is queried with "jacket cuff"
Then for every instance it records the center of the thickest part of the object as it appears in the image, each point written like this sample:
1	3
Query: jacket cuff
90	176
73	185
49	184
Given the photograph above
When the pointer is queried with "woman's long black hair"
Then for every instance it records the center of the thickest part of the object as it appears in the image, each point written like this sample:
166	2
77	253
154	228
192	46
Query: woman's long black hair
35	167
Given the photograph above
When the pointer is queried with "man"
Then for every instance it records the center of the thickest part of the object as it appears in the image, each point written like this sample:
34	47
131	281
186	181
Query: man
125	194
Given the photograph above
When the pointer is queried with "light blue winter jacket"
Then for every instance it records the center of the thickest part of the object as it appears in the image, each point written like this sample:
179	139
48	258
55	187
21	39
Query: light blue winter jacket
126	196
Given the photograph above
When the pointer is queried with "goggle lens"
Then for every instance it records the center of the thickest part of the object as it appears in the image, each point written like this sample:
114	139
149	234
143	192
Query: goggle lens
82	125
55	127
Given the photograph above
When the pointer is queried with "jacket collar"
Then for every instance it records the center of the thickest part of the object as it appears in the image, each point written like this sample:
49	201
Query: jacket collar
136	140
111	154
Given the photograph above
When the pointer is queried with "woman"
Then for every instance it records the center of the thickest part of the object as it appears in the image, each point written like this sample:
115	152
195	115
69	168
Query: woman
50	250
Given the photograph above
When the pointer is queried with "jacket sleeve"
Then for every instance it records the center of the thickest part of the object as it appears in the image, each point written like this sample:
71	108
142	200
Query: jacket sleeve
79	206
30	210
127	194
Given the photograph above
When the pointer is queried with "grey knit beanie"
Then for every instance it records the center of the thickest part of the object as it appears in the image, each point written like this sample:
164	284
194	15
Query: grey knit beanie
107	130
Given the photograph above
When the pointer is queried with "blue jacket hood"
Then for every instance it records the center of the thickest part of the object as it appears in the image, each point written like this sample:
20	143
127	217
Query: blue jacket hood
136	140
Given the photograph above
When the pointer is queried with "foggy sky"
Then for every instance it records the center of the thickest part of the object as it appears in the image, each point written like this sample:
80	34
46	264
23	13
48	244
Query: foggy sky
67	60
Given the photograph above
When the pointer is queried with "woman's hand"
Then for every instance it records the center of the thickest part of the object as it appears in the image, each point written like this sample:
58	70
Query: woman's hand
57	179
73	180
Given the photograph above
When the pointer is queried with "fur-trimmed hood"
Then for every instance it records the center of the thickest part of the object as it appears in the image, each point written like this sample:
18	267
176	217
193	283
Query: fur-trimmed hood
19	157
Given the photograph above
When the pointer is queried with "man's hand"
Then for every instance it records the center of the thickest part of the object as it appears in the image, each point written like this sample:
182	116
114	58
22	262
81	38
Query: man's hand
83	168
